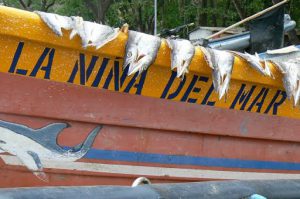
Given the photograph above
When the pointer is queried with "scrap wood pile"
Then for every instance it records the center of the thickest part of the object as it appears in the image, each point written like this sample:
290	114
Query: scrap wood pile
142	49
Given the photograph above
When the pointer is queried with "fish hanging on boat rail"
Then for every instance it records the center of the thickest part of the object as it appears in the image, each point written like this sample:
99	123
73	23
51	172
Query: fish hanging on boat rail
221	62
91	34
291	78
141	51
56	22
255	62
182	53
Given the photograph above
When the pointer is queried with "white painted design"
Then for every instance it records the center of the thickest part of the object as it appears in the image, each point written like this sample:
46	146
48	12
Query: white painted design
34	146
155	171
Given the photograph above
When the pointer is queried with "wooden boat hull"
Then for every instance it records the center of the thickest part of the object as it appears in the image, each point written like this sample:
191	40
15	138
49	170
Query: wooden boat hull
218	144
154	125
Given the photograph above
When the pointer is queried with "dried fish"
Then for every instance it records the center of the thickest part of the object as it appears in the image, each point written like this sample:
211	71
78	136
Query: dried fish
254	62
91	34
182	52
291	78
141	51
56	22
221	62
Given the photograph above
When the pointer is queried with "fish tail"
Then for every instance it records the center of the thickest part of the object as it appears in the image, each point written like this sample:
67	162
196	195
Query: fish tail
88	142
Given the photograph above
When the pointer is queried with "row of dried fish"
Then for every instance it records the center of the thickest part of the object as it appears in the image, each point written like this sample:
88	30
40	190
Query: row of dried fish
142	49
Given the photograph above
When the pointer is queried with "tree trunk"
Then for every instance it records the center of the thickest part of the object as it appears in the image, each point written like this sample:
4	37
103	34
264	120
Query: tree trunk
45	5
238	8
214	16
99	9
203	20
226	10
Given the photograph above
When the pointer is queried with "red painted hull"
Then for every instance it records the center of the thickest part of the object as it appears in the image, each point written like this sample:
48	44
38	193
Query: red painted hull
163	136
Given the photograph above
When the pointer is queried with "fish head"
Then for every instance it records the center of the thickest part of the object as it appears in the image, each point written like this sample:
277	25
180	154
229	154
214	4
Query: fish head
53	21
255	62
86	33
290	79
281	66
141	51
268	66
182	52
222	63
77	25
101	35
253	59
207	56
131	54
125	28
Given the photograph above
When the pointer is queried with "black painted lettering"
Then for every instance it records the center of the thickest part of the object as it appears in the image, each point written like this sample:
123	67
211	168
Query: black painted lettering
131	83
169	85
242	97
259	100
274	104
21	71
197	89
84	73
100	72
38	66
189	89
179	88
208	94
16	58
113	74
139	86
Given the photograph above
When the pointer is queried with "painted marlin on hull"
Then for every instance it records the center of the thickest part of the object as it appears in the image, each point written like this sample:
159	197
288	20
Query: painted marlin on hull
32	146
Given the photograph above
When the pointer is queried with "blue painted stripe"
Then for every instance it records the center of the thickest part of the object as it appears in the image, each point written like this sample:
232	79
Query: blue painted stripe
189	160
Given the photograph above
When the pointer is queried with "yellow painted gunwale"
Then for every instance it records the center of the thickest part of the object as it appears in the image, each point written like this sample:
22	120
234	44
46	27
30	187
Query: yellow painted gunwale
264	94
28	26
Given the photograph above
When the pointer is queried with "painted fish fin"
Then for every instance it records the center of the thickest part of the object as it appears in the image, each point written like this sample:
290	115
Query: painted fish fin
38	173
32	161
77	147
46	136
87	144
49	133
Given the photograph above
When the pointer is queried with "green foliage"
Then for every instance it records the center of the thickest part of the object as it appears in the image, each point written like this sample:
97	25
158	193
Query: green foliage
31	5
74	8
139	14
294	11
